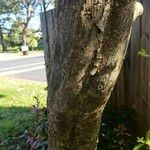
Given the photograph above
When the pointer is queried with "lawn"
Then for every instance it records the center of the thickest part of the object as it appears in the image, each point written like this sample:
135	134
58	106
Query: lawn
16	103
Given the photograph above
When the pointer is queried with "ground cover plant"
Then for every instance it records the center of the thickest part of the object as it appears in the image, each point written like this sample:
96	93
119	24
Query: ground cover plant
17	98
118	129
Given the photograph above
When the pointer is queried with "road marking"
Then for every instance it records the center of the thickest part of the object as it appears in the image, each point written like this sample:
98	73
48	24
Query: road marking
21	71
22	66
7	57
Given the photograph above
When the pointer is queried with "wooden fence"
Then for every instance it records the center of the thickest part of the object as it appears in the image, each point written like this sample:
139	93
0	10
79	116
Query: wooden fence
47	22
133	86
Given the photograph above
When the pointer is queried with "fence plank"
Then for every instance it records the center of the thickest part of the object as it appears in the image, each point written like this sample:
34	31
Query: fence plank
145	68
137	73
47	27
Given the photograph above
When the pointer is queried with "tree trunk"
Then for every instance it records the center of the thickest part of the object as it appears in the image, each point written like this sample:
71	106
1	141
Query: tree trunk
24	35
90	42
3	42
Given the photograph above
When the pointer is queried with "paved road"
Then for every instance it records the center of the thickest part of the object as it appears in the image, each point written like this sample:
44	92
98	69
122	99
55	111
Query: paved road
31	68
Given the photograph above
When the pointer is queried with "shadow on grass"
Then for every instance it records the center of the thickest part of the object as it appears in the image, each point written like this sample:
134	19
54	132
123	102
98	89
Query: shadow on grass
2	96
13	122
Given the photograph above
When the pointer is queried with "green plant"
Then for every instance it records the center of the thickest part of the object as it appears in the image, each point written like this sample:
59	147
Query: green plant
117	131
15	33
144	53
33	39
37	139
143	143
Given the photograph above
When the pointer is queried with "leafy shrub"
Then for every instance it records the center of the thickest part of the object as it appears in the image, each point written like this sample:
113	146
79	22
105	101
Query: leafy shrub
143	53
144	144
33	44
117	130
37	139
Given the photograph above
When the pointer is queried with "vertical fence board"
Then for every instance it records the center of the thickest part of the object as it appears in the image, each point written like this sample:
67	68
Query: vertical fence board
137	73
144	68
47	27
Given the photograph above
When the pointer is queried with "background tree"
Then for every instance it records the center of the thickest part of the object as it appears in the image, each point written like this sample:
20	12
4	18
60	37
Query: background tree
33	39
28	10
7	9
88	48
2	39
15	33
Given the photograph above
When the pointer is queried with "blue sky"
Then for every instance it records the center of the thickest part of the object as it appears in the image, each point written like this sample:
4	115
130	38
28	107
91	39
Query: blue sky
35	21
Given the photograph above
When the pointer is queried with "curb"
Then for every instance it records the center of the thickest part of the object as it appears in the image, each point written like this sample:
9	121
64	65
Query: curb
12	56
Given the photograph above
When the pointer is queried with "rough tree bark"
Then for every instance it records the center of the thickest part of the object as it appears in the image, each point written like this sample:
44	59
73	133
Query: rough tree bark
90	42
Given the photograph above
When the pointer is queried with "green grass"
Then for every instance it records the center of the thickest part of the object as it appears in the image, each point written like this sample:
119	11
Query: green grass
14	49
17	49
16	101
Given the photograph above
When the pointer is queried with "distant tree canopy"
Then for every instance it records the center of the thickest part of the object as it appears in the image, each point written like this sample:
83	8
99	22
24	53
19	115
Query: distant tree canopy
28	8
15	17
7	9
15	35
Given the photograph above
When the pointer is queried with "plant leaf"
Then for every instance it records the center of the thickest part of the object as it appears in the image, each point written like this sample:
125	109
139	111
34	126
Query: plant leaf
138	146
147	137
144	53
140	140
